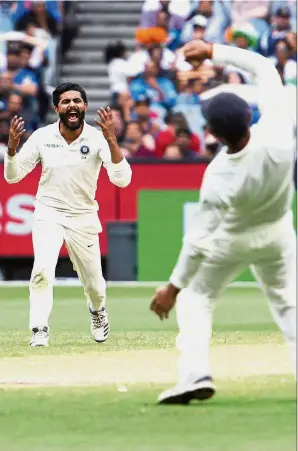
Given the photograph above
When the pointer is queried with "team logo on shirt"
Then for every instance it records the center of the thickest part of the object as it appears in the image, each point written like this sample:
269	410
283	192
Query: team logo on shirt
84	150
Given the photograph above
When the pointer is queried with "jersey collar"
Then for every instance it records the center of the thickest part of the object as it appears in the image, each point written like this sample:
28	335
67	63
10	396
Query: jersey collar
58	134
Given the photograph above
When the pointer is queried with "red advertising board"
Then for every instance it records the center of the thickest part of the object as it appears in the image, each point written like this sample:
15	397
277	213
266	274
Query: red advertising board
16	209
17	200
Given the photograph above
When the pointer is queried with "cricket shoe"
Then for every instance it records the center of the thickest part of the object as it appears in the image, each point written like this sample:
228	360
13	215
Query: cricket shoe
40	336
200	390
100	327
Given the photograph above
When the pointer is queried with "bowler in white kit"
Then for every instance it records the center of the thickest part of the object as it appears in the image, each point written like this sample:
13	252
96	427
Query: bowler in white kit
244	218
71	154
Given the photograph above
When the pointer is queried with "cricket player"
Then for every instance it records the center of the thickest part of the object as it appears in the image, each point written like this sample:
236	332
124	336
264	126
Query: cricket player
71	153
244	218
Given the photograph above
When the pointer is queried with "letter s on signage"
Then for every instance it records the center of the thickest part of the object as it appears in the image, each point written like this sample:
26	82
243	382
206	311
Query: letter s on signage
16	211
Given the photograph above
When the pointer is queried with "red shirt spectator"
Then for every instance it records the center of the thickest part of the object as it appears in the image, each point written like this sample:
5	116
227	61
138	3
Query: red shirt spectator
167	137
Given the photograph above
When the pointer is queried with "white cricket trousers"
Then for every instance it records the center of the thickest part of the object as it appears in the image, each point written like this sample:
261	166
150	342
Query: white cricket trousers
271	254
80	236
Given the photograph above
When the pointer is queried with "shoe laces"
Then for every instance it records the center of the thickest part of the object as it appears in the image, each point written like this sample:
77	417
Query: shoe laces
40	331
99	318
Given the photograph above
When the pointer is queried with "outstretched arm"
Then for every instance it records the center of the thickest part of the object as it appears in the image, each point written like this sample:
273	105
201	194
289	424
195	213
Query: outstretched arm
271	96
272	103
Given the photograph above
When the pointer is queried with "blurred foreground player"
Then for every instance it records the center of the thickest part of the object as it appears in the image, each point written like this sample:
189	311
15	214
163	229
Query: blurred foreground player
244	218
71	153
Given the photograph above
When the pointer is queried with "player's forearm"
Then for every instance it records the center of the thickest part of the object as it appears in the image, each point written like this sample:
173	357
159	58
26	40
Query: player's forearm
11	171
186	266
198	241
120	173
271	98
252	62
225	55
116	153
119	170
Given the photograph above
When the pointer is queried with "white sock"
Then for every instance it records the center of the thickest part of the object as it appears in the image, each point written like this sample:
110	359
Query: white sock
194	317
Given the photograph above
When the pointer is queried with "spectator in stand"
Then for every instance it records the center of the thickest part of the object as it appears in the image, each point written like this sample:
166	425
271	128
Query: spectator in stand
33	58
135	144
27	40
148	119
243	36
118	68
140	57
195	28
291	5
291	38
172	152
287	68
6	86
35	61
217	13
166	58
173	34
5	21
48	21
280	25
183	141
42	14
24	80
14	106
150	9
38	50
167	136
159	89
156	54
254	12
234	77
119	122
190	92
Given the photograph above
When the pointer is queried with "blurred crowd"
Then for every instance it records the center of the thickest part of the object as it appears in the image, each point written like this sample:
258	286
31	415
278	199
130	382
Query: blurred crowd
31	33
157	97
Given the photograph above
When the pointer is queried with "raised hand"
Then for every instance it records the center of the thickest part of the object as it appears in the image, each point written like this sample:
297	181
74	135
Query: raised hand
16	131
197	51
106	123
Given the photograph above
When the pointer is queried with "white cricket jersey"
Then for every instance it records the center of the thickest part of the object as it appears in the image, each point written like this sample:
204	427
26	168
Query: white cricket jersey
69	171
253	188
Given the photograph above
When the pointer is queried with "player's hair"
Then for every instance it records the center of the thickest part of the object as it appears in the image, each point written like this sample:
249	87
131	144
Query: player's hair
227	117
64	87
114	50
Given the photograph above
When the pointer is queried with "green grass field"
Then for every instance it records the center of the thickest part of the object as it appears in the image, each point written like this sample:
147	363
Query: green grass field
78	395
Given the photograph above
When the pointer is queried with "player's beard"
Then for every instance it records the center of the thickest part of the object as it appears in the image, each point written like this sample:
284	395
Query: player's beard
72	126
